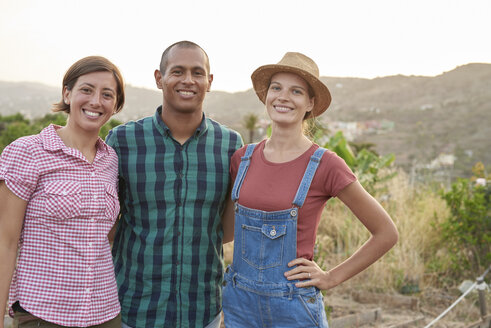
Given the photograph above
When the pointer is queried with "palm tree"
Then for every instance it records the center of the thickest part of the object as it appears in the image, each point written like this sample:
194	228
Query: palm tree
250	123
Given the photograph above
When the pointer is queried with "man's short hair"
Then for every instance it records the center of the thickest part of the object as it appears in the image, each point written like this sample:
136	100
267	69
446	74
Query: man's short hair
181	44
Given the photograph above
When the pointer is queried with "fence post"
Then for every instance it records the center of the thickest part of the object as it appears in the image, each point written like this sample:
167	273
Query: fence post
481	287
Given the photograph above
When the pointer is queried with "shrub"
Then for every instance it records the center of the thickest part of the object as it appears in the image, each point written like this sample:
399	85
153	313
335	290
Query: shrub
466	231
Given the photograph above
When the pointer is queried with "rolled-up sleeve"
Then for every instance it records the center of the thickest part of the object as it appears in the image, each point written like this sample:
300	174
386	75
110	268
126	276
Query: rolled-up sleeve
19	170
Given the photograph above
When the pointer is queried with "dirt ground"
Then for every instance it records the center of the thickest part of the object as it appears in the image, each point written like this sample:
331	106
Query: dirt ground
347	309
405	311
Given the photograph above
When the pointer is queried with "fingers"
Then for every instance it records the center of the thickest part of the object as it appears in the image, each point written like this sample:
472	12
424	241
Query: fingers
298	275
300	261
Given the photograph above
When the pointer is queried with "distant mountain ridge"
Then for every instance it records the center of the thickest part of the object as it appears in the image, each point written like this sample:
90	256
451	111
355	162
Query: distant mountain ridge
447	113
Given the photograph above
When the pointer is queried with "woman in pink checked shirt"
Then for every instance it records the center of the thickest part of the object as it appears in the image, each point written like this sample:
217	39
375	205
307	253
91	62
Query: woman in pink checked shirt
58	202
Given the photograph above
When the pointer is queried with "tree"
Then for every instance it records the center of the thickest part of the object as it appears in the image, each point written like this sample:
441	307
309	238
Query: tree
250	123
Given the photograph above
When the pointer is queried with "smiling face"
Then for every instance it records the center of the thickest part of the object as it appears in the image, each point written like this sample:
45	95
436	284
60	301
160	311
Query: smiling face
288	99
92	101
185	81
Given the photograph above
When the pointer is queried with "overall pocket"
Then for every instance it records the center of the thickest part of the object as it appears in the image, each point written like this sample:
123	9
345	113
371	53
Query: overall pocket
313	306
262	247
63	199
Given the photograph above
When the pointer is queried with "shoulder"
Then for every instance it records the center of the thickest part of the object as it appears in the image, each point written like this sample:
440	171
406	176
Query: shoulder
242	150
119	133
27	144
329	157
230	139
131	125
225	130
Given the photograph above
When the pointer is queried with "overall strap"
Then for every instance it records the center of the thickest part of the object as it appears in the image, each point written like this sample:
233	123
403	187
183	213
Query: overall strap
307	177
244	165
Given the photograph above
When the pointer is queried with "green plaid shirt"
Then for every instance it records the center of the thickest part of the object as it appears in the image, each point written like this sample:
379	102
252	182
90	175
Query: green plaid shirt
167	251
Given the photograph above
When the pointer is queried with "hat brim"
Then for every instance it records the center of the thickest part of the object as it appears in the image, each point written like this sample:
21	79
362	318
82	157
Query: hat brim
261	78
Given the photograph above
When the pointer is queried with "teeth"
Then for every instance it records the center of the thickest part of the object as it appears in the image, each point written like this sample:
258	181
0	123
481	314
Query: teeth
93	114
186	93
282	109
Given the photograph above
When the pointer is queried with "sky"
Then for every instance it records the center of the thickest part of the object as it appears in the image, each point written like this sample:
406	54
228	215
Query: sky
40	39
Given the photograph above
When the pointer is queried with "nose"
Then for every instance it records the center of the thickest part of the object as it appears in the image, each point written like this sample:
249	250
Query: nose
95	100
188	77
283	95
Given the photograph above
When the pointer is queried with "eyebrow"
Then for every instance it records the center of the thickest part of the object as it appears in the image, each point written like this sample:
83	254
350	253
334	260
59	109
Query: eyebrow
93	86
185	67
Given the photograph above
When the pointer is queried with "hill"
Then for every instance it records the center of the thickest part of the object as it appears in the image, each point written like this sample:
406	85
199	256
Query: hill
417	118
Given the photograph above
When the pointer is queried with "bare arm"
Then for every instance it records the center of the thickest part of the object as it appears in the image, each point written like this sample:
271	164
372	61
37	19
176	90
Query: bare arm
384	235
228	218
112	232
11	220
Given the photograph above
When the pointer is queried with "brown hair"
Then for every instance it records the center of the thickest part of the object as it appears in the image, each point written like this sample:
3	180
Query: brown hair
88	65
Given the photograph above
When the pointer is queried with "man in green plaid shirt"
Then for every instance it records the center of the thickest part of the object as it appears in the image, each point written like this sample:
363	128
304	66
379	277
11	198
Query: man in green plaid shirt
174	181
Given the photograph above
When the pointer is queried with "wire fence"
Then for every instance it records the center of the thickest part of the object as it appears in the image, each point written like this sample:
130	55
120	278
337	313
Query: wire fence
481	286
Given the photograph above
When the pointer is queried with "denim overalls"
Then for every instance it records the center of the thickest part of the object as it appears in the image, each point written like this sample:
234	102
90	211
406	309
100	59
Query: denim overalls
256	292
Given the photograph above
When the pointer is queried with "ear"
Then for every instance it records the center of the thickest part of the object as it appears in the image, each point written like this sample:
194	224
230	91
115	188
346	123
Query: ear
311	104
66	95
158	78
210	80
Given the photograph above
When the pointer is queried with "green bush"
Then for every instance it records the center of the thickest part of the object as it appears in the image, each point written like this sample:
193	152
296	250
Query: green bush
366	164
467	231
15	126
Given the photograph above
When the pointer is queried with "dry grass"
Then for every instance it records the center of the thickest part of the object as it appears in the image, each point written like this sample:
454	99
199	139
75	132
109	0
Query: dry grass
413	211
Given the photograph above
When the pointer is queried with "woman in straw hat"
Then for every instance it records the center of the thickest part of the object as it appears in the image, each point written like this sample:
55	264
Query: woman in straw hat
281	186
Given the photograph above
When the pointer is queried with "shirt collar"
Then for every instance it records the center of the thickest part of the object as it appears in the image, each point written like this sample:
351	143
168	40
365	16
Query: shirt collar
164	129
52	141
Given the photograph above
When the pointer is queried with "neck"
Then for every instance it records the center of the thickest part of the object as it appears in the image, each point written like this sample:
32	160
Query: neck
182	125
288	137
83	141
286	144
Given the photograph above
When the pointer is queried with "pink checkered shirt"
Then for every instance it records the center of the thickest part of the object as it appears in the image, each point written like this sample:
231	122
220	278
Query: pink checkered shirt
64	271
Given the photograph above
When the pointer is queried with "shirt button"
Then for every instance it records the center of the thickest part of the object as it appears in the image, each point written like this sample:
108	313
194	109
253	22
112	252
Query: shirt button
272	233
95	197
90	244
87	290
64	193
93	174
89	268
92	220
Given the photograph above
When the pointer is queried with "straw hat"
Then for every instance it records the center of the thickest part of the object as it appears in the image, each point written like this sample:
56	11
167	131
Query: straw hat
294	62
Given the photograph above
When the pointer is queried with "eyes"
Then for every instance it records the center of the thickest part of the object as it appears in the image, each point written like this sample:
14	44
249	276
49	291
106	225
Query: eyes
296	91
195	72
106	93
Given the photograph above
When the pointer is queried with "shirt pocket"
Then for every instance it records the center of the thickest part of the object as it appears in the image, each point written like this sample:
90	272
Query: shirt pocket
111	211
63	199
